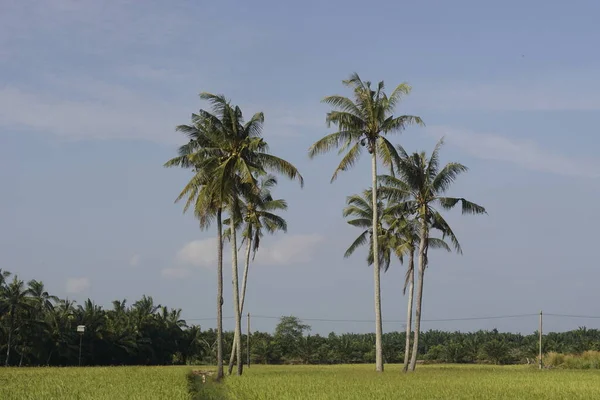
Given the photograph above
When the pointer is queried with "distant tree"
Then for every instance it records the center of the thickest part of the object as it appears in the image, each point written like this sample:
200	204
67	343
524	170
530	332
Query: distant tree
16	300
288	335
496	351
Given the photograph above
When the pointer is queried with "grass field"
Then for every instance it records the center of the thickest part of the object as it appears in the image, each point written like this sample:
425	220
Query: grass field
429	382
302	382
116	383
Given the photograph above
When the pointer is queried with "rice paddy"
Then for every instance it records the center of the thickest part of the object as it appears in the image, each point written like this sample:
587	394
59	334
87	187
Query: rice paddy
301	382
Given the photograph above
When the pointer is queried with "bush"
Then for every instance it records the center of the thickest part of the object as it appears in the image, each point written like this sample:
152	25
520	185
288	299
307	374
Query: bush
586	360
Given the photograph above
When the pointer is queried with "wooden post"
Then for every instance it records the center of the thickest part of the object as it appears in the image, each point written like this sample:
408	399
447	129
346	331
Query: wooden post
540	344
248	342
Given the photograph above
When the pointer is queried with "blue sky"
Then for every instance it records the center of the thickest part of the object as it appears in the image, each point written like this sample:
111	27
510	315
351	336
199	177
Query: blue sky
90	93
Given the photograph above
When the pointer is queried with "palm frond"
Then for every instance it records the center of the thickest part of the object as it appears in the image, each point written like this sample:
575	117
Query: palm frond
360	241
388	153
438	222
402	89
467	207
434	161
273	163
361	222
437	243
343	104
348	161
395	124
447	175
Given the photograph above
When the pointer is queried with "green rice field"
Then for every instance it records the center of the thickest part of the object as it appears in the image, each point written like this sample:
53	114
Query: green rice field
103	383
302	382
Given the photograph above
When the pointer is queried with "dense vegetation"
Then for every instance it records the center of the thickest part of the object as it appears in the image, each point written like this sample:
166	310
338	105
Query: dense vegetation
37	328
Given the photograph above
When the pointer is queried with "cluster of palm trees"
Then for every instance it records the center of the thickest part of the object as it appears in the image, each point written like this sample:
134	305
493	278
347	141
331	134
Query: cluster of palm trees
398	217
232	175
37	328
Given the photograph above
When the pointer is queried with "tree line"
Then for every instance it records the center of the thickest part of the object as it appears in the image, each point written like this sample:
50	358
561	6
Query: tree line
39	329
233	175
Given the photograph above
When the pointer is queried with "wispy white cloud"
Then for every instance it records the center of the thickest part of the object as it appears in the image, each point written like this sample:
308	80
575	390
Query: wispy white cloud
286	250
113	112
134	261
290	249
176	273
77	285
199	253
83	108
560	90
525	153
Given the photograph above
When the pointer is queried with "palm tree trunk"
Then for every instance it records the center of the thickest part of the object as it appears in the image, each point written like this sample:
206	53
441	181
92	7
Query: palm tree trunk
219	295
236	341
422	265
49	357
246	267
411	289
236	296
21	359
10	329
8	348
376	271
233	353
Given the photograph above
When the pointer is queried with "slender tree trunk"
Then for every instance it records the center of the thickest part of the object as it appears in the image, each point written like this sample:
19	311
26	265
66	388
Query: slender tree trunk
246	267
422	266
219	295
21	359
10	330
236	297
411	289
49	357
236	341
376	270
8	348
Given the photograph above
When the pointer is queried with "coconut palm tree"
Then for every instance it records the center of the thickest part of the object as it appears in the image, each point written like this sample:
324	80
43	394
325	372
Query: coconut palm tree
403	237
3	284
365	121
258	215
420	186
226	154
16	299
42	299
206	205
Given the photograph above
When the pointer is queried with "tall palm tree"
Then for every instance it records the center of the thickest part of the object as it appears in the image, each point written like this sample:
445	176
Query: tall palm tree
225	153
424	183
403	235
365	121
258	214
43	300
16	298
3	280
199	155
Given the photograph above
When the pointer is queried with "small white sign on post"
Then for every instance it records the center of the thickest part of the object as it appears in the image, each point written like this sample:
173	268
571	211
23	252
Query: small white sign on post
80	329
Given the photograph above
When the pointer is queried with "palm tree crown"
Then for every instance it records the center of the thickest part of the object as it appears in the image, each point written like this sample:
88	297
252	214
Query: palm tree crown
363	121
